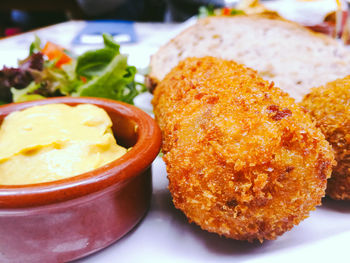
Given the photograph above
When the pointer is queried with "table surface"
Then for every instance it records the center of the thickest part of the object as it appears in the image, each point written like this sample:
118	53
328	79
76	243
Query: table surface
164	235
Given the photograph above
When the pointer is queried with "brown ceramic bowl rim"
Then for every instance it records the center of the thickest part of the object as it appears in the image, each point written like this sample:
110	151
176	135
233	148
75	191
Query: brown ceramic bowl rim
117	172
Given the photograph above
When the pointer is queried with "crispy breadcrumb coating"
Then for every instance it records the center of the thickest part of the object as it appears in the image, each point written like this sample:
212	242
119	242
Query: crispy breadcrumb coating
243	160
329	106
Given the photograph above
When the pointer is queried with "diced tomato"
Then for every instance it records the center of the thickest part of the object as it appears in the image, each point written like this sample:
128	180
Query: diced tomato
56	52
83	79
226	11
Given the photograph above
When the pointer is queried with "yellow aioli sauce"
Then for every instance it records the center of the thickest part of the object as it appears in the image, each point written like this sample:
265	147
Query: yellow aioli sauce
55	141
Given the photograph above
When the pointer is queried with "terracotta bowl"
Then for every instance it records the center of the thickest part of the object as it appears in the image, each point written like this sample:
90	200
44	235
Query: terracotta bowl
71	218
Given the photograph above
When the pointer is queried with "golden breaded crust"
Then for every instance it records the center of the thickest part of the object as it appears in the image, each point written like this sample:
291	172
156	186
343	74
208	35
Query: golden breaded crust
243	160
330	108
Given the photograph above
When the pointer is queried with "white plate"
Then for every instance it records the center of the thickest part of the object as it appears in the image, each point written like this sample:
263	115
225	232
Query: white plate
164	235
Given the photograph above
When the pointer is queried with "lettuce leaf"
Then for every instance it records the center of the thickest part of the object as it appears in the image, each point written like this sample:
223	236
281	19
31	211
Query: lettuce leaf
26	94
94	62
108	74
205	11
20	77
96	73
35	46
116	82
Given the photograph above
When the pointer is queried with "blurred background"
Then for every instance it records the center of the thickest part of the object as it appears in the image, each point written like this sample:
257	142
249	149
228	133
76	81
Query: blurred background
18	16
23	15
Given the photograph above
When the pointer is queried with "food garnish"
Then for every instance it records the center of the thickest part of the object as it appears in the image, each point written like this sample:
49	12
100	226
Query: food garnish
53	71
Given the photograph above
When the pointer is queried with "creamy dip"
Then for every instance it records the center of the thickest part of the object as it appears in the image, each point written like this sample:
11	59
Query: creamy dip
55	141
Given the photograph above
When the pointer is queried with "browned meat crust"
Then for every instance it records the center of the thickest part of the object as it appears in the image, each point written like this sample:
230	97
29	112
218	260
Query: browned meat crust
330	108
243	160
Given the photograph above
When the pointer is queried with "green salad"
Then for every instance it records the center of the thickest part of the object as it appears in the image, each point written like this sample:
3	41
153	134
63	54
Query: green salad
52	71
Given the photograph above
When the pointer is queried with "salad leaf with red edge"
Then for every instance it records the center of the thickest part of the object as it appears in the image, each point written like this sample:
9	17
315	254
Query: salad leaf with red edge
53	71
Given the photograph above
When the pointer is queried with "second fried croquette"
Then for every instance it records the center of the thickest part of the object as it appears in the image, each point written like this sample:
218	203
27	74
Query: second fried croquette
329	106
243	160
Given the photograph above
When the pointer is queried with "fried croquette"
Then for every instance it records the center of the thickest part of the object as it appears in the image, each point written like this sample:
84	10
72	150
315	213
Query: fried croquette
329	106
243	160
